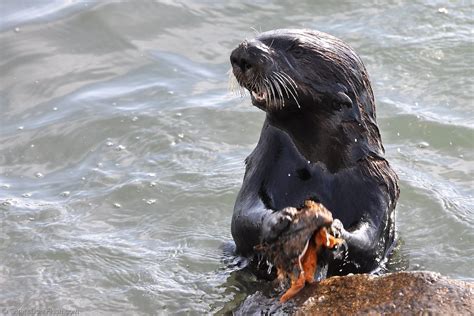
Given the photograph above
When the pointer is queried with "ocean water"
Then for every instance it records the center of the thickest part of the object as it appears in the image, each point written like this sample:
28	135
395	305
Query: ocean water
122	149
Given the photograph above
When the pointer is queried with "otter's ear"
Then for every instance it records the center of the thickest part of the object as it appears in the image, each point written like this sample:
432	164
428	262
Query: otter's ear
340	95
343	98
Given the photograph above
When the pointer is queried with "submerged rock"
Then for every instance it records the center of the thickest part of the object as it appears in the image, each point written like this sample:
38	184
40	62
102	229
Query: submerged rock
393	293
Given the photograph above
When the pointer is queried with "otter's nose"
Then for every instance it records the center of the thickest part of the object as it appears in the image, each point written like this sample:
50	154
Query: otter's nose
244	57
240	58
242	61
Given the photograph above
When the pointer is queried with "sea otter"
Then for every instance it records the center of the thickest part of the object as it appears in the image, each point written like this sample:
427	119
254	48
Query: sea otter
319	142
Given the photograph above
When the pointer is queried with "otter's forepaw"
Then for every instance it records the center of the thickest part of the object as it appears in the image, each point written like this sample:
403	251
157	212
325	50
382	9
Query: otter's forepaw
336	228
277	222
340	251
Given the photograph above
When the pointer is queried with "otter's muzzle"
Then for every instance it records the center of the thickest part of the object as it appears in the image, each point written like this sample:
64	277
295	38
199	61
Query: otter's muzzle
247	57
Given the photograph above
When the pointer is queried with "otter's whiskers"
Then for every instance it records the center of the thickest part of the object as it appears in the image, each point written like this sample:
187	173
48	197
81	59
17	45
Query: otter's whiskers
273	89
234	85
283	82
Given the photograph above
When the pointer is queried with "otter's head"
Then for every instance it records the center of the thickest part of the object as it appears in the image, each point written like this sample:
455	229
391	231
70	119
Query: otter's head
294	69
311	83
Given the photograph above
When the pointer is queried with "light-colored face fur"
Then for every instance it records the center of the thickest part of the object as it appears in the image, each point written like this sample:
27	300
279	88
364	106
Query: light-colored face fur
271	89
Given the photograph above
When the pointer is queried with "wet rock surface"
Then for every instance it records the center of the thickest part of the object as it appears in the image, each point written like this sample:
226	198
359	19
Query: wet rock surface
393	293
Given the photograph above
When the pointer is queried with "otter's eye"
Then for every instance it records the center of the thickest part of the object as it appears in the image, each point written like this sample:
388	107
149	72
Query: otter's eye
297	51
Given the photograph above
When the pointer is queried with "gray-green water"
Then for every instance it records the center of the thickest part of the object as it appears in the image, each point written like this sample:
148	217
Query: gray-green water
122	149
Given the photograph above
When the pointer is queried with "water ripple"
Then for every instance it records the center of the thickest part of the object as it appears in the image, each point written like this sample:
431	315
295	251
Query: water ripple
122	150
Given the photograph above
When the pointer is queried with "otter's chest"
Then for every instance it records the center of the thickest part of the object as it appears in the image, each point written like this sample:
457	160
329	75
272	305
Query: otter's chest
283	176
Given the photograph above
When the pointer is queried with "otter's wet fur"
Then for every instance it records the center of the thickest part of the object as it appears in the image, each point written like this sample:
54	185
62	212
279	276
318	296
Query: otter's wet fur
319	141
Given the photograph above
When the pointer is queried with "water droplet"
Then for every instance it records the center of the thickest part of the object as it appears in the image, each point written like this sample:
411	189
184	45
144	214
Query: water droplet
32	145
443	10
65	194
151	201
450	143
26	195
4	186
438	54
134	119
461	156
17	29
398	149
117	205
423	144
120	147
152	184
355	140
20	128
109	144
398	133
181	135
99	164
151	174
55	109
179	114
173	143
137	137
39	175
83	178
289	175
171	92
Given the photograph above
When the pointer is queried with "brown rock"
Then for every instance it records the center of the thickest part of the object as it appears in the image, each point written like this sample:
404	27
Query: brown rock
398	293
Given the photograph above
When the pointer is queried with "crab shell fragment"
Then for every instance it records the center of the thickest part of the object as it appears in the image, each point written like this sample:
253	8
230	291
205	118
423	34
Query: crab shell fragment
295	252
